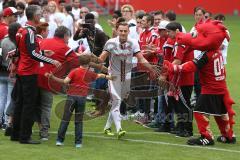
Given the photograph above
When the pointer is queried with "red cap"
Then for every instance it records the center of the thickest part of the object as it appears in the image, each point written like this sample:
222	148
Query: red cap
9	11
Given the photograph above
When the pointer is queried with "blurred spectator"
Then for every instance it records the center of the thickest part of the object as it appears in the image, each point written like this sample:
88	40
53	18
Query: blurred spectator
171	17
96	16
158	17
76	9
22	19
128	13
55	15
139	15
46	18
208	15
224	46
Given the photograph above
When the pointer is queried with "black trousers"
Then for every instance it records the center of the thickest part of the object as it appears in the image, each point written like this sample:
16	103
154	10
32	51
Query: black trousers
183	111
26	106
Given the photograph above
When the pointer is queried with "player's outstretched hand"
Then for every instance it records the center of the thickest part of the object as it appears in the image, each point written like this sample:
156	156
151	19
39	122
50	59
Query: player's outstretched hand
112	78
48	75
163	83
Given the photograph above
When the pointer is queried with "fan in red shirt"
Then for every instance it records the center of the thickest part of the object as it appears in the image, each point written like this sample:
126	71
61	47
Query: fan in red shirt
148	42
78	81
148	39
26	83
9	16
214	99
181	105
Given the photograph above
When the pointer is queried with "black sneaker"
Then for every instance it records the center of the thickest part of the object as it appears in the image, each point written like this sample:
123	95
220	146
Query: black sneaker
201	141
163	128
8	131
224	139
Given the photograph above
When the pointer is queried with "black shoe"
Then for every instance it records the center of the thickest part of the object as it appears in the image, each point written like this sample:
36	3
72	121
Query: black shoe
163	128
4	126
29	142
8	131
224	139
184	134
14	138
201	141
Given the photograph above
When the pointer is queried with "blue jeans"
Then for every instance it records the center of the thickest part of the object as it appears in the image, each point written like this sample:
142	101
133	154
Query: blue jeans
6	87
161	115
73	103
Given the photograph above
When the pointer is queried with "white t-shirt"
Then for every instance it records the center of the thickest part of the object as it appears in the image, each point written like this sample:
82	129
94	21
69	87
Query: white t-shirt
57	17
22	20
68	22
76	13
98	26
133	29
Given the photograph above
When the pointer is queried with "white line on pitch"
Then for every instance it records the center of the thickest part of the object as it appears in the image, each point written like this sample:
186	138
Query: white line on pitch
157	142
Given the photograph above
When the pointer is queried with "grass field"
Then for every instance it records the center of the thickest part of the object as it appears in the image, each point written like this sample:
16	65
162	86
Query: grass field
139	143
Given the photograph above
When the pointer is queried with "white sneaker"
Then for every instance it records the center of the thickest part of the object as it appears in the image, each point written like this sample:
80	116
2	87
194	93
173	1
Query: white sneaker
58	143
78	145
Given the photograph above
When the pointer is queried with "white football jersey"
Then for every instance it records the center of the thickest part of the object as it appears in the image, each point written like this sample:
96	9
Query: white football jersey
121	55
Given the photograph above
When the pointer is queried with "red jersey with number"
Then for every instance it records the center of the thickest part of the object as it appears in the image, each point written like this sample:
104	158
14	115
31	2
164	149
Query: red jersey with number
212	74
80	81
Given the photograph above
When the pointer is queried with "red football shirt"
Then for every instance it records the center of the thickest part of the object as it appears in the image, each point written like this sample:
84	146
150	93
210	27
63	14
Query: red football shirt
3	30
181	53
168	50
80	80
149	36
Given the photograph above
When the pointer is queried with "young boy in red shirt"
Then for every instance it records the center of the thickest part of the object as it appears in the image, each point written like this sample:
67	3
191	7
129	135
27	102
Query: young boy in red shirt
78	81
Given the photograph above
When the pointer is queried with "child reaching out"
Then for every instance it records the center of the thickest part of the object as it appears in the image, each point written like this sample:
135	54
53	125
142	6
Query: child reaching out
78	80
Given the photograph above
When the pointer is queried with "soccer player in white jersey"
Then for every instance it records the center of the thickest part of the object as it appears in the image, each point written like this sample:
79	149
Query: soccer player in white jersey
120	51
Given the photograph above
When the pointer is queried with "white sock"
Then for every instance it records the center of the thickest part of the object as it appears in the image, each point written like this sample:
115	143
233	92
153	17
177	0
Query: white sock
109	121
117	119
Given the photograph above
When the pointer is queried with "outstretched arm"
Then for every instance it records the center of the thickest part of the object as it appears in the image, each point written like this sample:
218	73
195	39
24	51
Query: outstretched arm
59	80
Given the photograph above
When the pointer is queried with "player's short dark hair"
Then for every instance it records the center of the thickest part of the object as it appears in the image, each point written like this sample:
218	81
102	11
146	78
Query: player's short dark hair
61	31
160	12
173	26
220	17
150	18
20	5
117	14
139	14
12	31
171	15
31	10
120	20
199	8
34	2
122	24
68	8
61	1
